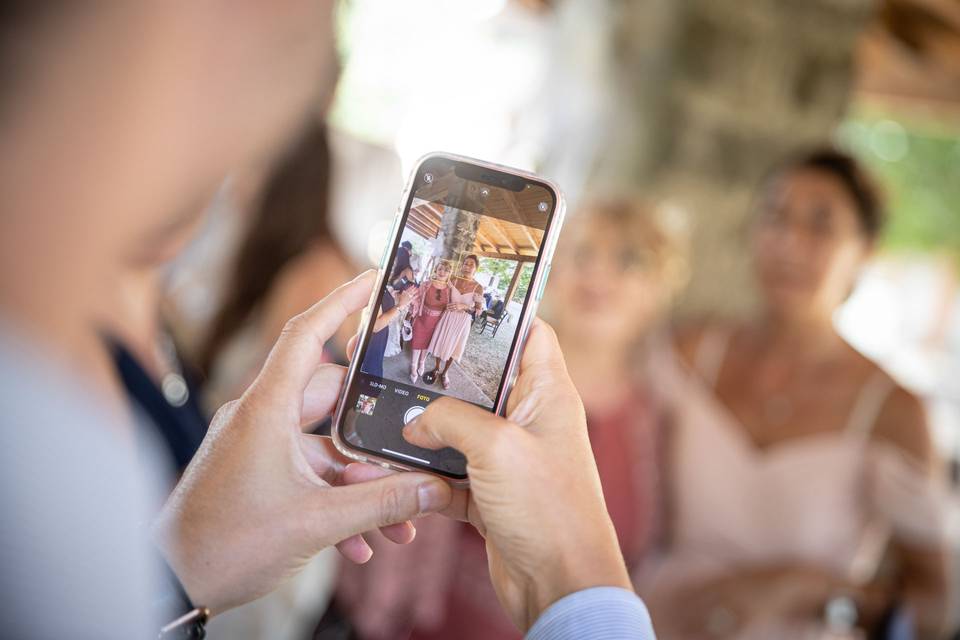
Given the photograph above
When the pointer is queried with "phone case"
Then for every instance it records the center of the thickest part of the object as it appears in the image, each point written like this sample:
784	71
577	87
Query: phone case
537	284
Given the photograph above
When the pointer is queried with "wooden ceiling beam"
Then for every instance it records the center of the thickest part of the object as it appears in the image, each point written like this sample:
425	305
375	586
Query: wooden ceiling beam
506	236
508	256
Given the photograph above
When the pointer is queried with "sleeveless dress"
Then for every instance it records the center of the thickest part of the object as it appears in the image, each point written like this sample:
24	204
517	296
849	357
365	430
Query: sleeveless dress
450	338
431	305
827	500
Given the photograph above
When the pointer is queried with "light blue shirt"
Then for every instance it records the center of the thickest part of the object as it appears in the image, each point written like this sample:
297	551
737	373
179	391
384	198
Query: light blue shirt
600	613
75	504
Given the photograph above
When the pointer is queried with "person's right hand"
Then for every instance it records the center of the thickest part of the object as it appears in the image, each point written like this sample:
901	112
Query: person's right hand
406	296
534	492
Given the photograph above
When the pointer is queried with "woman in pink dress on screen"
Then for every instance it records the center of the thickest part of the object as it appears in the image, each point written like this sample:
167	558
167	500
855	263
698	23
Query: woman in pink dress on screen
450	338
428	308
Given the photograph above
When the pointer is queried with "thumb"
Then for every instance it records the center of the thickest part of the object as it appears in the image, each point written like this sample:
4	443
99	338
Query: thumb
541	353
294	359
344	511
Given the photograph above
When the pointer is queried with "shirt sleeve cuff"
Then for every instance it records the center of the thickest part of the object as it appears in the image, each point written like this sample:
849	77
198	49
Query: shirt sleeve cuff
600	613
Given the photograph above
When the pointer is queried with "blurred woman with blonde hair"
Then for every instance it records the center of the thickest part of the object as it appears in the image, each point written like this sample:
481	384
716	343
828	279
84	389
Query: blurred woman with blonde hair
615	274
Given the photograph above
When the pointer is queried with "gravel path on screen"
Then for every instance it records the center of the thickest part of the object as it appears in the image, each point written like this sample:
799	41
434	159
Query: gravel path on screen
485	356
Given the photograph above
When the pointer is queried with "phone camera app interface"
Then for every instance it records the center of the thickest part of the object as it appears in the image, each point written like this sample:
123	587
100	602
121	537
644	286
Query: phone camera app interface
450	308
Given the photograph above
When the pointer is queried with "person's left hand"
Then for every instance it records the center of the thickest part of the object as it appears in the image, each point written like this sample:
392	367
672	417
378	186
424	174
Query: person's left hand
261	498
406	296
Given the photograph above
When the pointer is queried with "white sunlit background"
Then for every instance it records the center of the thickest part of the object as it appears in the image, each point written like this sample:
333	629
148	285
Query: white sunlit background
482	78
432	75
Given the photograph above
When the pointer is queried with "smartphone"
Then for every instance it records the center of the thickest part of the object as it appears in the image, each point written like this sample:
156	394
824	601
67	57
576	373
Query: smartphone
459	285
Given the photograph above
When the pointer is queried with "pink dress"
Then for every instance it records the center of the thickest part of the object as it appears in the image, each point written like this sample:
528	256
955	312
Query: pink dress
450	338
431	304
831	500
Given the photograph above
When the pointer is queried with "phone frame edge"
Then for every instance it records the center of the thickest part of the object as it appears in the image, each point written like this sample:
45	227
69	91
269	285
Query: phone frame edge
526	319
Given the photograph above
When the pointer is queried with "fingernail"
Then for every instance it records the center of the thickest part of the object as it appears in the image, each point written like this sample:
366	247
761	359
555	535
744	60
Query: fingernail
431	496
367	554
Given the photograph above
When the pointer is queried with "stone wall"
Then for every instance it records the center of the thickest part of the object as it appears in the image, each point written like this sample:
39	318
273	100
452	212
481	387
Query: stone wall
705	97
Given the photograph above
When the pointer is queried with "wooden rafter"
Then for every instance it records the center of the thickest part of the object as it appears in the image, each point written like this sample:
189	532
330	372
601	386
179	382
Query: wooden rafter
482	238
506	236
507	256
426	232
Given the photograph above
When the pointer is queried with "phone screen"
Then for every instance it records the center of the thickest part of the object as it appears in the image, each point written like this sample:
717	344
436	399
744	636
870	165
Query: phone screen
447	318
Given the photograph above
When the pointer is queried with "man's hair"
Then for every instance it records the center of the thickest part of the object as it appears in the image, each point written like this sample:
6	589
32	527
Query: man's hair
20	23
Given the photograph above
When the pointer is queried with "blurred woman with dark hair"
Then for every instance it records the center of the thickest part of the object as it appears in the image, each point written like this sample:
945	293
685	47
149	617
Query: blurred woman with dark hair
802	493
288	259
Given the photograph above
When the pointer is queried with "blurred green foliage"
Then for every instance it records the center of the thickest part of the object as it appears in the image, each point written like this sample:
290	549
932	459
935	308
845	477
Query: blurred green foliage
918	167
505	269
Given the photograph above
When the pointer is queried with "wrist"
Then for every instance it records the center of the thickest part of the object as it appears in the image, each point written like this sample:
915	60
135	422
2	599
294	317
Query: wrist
176	609
185	563
580	565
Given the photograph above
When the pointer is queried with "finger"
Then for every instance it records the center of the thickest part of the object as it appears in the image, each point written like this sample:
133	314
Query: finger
355	549
294	359
459	507
402	533
352	345
322	393
323	458
543	383
542	350
452	423
344	511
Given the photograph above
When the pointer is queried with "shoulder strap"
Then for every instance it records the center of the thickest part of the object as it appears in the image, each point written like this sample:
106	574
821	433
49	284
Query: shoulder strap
710	354
869	404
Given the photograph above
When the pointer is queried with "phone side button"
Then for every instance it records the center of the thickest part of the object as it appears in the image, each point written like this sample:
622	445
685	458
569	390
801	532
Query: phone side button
543	282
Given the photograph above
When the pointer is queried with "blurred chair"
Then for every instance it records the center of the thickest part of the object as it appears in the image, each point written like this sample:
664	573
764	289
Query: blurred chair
493	318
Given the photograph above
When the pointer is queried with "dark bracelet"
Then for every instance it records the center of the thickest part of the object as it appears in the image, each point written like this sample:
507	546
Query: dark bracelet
191	620
188	626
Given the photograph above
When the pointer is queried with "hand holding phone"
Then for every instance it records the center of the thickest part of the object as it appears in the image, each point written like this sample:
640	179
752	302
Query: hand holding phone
535	493
474	227
261	498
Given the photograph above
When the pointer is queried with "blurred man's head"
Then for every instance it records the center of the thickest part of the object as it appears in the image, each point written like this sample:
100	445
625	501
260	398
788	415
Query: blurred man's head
119	121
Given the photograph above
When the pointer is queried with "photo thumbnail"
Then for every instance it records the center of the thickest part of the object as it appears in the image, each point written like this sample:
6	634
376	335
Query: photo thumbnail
366	405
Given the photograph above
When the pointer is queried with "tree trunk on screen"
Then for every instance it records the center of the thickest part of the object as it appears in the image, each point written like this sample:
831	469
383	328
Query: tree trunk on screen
459	230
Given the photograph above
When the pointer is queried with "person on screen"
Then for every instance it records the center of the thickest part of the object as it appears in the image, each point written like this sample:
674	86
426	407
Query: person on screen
392	305
450	338
402	275
427	311
494	310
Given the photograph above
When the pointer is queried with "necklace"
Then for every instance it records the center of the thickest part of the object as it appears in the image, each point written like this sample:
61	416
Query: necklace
173	384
